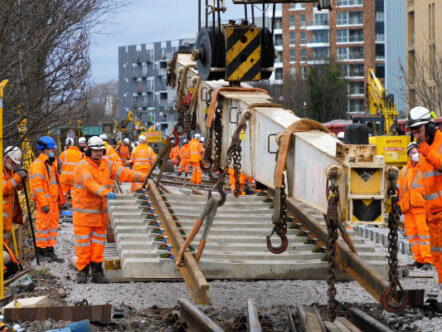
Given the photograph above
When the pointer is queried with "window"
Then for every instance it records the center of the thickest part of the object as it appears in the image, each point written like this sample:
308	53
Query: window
380	70
292	21
320	53
342	36
344	70
356	35
278	40
303	39
292	56
278	74
356	105
292	38
293	71
297	6
356	88
279	56
342	18
135	69
342	53
304	72
320	36
379	17
144	66
379	29
356	52
350	2
302	18
356	70
351	18
303	55
320	19
144	99
380	51
278	22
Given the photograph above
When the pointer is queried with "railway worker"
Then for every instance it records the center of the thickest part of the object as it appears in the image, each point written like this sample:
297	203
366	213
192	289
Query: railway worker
48	196
68	159
13	176
412	205
429	140
123	150
175	154
93	179
142	159
110	153
185	158
196	154
82	145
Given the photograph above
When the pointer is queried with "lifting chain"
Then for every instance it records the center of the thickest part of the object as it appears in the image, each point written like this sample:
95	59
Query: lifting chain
395	289
218	140
279	220
332	236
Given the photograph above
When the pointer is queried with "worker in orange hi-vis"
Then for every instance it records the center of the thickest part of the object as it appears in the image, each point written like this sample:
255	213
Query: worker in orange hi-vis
412	204
185	158
142	160
123	150
48	195
175	154
13	176
68	159
242	181
93	179
110	153
196	154
82	145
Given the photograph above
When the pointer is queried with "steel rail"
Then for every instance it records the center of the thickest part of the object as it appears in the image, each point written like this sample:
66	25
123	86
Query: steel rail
192	275
195	319
254	324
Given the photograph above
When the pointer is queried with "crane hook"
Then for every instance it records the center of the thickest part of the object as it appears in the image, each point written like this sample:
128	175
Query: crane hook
281	248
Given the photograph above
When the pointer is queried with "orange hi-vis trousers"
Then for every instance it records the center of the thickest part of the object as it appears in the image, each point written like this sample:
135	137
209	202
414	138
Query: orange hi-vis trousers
89	245
46	226
435	226
418	235
184	165
197	173
139	185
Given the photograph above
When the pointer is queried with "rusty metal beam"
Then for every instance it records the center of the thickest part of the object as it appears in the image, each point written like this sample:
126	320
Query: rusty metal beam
196	320
95	313
351	263
192	275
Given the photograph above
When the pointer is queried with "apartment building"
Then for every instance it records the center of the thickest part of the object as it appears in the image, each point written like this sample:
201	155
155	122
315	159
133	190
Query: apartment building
353	34
424	40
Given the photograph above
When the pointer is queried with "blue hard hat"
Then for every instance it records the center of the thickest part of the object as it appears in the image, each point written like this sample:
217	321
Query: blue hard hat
46	142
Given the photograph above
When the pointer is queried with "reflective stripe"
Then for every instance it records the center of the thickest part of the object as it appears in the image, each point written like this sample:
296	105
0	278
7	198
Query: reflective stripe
85	244
13	182
403	191
66	163
86	211
137	176
37	176
413	237
98	241
54	179
78	186
5	215
425	243
38	191
7	235
431	197
414	244
83	237
100	190
110	167
41	239
434	249
105	211
53	230
120	170
64	172
103	236
424	237
414	185
430	174
41	232
52	237
84	178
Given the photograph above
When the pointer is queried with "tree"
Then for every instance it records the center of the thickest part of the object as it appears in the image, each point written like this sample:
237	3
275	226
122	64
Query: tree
328	93
97	96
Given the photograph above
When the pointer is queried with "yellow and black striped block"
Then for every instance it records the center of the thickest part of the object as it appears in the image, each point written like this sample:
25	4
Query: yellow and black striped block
243	58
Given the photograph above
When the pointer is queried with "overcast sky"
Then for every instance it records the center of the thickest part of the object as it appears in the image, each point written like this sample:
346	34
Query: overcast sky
144	21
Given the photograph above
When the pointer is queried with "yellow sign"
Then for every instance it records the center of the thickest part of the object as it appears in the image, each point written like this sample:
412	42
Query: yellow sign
153	136
393	148
242	135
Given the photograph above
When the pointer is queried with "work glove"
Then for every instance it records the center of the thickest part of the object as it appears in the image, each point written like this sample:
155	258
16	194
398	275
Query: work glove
423	147
22	173
45	209
111	195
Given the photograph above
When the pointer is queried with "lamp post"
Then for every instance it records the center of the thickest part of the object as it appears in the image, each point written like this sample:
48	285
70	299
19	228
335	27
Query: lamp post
304	109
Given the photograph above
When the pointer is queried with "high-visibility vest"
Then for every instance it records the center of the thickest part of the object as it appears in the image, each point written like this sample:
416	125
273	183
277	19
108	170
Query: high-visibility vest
111	154
142	157
44	182
195	151
11	206
410	188
185	152
123	152
69	159
92	184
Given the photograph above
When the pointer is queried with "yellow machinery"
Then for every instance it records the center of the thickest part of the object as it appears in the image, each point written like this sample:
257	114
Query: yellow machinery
131	127
382	121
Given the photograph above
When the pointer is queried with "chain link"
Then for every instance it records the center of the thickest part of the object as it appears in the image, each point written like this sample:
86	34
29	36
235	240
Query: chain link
218	131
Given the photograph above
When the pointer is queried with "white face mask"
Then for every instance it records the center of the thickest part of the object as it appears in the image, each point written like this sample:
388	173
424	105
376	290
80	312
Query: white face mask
415	157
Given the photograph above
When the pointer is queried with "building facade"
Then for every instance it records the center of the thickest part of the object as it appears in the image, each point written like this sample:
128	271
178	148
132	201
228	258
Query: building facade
352	34
424	45
142	81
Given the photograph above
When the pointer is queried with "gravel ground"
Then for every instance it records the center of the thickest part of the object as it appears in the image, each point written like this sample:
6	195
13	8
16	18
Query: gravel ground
149	305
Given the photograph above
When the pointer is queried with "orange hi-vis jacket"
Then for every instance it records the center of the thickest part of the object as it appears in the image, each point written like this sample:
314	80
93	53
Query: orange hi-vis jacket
174	154
11	205
185	152
92	184
196	151
411	188
112	155
69	159
44	182
123	152
143	158
431	167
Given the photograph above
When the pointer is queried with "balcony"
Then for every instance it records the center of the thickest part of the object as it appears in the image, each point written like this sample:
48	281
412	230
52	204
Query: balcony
410	3
320	24
138	89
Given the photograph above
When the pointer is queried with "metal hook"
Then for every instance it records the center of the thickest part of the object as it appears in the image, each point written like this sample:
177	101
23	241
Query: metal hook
393	307
281	248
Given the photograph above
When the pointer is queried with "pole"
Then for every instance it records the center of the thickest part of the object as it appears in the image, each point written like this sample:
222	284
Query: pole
2	263
30	222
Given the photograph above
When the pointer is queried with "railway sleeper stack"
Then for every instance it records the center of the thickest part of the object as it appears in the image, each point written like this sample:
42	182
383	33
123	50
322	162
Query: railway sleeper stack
235	249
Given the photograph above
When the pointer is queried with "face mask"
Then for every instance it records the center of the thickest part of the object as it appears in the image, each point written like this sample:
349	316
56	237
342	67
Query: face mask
82	148
51	155
8	166
415	157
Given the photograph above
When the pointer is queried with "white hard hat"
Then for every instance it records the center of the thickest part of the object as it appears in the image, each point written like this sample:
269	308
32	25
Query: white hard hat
410	146
142	139
340	135
14	153
126	140
95	143
82	140
419	116
197	136
69	141
202	139
103	137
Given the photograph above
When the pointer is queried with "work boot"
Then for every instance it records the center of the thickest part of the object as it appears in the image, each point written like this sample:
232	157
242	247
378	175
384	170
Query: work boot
43	255
179	174
51	254
416	264
82	275
427	266
97	274
186	174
